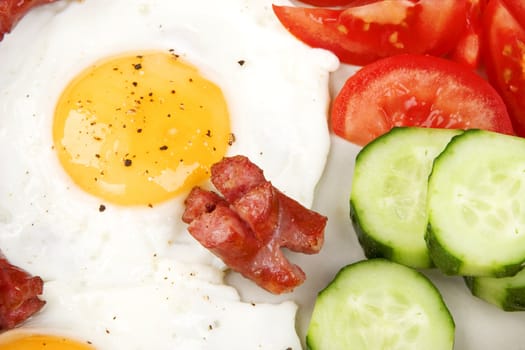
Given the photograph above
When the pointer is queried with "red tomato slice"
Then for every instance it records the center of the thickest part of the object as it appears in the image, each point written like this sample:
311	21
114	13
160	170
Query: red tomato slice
468	48
517	8
415	90
325	3
505	59
11	11
363	34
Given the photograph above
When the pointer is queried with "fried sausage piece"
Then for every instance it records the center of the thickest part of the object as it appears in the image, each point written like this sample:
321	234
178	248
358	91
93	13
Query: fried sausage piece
11	11
248	226
18	295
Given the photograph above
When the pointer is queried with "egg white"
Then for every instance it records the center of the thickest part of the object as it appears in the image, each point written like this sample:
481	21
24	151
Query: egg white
276	89
183	306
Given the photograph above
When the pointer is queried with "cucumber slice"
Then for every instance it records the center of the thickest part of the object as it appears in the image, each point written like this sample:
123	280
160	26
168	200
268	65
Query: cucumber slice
476	205
380	304
389	190
507	293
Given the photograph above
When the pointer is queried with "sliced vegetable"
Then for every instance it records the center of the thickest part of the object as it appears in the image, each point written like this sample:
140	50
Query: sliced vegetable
507	293
476	205
326	3
363	34
415	90
468	48
505	56
516	8
378	304
389	192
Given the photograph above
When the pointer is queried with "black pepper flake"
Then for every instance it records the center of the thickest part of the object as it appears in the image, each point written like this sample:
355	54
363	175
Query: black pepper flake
173	91
190	80
163	148
241	62
127	162
139	131
150	94
208	133
135	83
150	205
97	155
101	208
137	66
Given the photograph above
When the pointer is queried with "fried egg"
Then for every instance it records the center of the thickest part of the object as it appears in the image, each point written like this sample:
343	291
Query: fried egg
110	112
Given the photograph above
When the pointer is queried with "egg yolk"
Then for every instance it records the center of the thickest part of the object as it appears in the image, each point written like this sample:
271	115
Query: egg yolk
140	129
42	342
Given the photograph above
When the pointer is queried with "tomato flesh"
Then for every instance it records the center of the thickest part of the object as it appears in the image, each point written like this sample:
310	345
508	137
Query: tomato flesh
415	90
505	60
468	48
516	8
326	3
362	34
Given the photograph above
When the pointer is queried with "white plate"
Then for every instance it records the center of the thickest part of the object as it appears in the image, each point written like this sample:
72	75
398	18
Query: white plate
479	325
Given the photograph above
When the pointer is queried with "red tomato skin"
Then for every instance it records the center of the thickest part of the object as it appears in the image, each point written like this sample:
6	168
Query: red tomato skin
468	48
504	57
415	90
362	34
327	3
11	11
318	27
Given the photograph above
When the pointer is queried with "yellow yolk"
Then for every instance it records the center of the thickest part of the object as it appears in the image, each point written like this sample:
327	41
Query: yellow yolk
41	342
140	129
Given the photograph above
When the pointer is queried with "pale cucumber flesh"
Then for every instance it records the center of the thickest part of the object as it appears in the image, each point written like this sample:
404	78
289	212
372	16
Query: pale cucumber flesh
476	205
379	304
389	191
